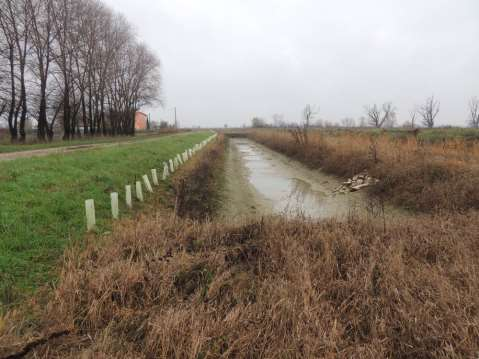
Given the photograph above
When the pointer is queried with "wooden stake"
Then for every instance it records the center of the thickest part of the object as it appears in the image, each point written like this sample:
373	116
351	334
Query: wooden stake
129	202
166	173
114	205
90	214
139	191
147	184
154	176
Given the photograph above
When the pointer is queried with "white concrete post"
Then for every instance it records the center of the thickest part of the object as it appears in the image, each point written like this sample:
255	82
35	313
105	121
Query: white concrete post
154	176
90	214
175	163
129	202
166	173
180	161
147	184
190	152
114	205
172	166
139	191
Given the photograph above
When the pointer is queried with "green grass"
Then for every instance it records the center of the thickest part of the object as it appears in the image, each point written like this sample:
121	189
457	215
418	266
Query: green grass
439	134
42	203
7	147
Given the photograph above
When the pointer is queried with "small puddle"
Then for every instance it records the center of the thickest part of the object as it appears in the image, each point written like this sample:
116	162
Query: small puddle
287	187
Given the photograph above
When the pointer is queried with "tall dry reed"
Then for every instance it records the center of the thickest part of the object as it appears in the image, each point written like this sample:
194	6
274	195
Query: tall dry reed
413	174
166	287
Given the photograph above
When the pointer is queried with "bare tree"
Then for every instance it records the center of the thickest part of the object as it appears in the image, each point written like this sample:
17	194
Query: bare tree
474	112
300	132
413	116
40	12
429	112
9	38
378	117
15	24
85	69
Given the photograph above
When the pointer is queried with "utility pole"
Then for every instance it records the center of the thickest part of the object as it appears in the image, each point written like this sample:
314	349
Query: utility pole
176	122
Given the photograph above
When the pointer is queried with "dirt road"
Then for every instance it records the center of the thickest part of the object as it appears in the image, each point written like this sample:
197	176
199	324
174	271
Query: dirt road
65	150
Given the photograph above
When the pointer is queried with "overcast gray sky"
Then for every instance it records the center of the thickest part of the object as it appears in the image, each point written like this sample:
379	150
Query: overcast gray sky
225	61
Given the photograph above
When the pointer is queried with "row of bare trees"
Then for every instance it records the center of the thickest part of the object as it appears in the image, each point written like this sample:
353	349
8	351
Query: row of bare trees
386	115
426	113
73	65
376	116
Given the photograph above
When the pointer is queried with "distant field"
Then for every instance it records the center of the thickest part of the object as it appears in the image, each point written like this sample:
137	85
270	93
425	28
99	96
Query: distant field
42	202
432	135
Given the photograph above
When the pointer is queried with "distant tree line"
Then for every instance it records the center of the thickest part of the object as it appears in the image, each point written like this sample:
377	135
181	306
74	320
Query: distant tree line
72	65
383	116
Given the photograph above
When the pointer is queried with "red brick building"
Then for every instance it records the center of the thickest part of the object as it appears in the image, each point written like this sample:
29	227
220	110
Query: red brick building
141	121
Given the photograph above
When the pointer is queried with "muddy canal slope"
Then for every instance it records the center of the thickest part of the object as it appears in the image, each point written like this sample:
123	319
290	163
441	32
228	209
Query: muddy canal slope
260	181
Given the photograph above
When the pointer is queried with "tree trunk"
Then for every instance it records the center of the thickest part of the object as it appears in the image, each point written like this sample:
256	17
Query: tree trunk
42	115
12	123
23	96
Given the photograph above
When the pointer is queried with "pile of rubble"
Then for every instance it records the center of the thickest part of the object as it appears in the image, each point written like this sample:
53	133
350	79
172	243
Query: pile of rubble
356	183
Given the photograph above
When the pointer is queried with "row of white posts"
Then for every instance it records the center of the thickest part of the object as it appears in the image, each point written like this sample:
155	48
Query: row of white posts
168	168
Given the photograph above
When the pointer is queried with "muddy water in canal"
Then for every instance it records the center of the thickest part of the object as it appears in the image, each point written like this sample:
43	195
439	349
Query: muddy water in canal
260	181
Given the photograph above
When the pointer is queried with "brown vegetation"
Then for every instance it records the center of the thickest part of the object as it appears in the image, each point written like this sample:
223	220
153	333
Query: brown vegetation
166	287
196	195
413	174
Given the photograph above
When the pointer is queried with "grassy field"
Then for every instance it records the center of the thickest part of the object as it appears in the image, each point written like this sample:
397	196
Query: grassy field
7	147
42	203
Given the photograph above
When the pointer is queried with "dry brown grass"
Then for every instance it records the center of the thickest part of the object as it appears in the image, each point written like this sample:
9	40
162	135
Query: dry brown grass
413	175
161	286
172	288
196	185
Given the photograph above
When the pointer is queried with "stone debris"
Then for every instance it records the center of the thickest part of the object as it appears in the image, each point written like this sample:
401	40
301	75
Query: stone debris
356	183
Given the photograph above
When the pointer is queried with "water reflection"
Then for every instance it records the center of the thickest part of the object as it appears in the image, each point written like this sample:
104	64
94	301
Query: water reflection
289	192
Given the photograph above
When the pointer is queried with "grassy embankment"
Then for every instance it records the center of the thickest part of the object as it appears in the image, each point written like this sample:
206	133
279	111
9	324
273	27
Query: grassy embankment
165	286
42	203
413	174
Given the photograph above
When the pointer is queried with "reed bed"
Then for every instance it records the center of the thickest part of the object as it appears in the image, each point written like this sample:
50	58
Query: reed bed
413	174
